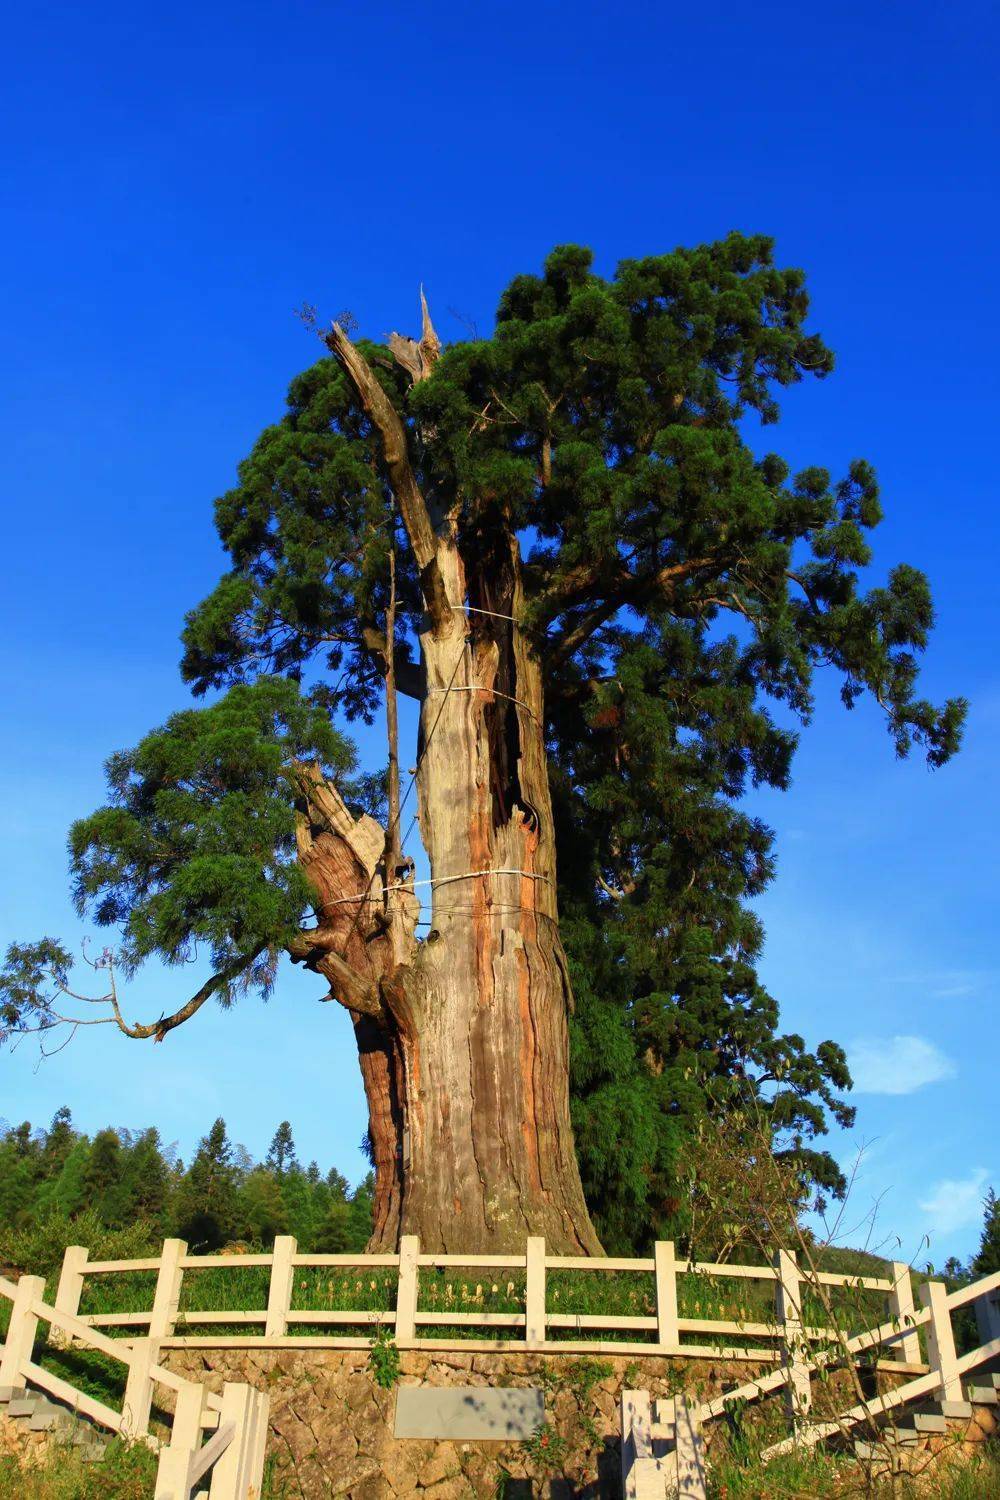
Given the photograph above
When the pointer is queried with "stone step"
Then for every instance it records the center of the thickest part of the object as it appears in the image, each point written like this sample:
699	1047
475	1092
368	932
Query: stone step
51	1419
955	1411
983	1395
924	1421
42	1415
24	1406
902	1436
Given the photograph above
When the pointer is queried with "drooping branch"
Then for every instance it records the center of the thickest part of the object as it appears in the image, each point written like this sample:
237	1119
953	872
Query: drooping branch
159	1029
46	1001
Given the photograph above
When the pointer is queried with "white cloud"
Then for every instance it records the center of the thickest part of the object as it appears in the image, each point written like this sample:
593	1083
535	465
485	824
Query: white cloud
897	1065
947	984
956	1203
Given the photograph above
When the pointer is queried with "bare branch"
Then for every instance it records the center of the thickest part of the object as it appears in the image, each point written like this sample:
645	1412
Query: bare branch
388	423
47	1018
417	357
429	341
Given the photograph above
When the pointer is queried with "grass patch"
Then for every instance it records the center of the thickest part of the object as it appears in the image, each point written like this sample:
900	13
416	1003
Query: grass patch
127	1472
794	1476
124	1291
475	1289
630	1294
238	1288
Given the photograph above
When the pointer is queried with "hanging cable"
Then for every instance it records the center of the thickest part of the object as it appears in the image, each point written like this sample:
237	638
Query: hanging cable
495	692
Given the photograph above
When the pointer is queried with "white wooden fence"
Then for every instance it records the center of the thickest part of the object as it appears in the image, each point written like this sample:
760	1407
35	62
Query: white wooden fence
235	1422
537	1327
662	1450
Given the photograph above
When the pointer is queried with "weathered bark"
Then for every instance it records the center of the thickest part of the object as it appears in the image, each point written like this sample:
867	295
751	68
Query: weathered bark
487	1148
462	1036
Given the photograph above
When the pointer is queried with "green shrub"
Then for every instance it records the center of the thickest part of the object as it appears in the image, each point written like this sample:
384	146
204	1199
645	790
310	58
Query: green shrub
39	1247
383	1361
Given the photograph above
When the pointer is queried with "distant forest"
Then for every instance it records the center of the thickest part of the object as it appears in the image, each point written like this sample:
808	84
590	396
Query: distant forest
119	1192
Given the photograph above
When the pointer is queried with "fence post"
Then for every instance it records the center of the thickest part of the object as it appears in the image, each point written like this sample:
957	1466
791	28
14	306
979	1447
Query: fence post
260	1409
988	1316
70	1289
689	1450
167	1296
534	1291
642	1478
139	1387
238	1473
788	1306
941	1341
901	1309
279	1294
185	1440
668	1333
406	1289
20	1344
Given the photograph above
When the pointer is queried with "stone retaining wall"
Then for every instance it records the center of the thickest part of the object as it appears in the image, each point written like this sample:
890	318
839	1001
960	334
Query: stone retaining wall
331	1426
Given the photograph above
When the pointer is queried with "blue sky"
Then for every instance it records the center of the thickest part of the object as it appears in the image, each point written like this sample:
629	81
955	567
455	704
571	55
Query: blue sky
176	185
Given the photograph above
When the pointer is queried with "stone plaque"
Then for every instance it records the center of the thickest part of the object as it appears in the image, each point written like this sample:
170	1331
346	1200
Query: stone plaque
468	1412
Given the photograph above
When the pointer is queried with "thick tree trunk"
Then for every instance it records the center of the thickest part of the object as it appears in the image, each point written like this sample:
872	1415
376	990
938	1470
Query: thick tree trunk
474	1066
462	1037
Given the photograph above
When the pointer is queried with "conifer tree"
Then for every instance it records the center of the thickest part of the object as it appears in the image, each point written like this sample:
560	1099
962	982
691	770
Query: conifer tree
987	1260
334	1231
102	1177
261	1211
281	1152
146	1179
206	1207
560	543
300	1208
59	1142
66	1193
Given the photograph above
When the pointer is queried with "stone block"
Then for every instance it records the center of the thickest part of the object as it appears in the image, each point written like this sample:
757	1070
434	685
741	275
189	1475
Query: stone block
448	1489
442	1464
476	1413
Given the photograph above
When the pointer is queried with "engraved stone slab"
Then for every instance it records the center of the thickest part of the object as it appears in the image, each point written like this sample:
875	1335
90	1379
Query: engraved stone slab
468	1412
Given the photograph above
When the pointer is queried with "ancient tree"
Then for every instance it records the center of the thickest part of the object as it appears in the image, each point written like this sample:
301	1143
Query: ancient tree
560	544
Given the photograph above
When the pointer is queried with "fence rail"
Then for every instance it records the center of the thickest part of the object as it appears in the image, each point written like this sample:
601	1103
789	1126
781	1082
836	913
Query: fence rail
662	1449
662	1326
236	1420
